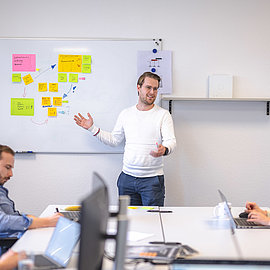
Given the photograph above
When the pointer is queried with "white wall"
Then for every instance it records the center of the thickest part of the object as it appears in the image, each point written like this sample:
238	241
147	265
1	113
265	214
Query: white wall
220	145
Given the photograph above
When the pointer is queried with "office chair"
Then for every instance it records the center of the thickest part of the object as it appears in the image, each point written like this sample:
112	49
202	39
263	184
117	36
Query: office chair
6	243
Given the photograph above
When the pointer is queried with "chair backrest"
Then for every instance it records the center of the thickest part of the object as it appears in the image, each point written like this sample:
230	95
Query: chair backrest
6	243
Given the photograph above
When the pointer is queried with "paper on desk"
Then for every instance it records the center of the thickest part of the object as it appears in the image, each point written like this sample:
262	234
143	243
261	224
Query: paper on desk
132	235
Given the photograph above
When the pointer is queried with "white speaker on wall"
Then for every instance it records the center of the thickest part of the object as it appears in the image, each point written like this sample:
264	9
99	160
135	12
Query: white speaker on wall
220	86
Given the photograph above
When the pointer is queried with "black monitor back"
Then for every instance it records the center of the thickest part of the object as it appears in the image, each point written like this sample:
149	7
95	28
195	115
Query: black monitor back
94	218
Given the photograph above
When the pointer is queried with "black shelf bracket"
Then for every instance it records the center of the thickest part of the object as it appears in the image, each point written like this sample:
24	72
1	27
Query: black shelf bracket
267	107
170	106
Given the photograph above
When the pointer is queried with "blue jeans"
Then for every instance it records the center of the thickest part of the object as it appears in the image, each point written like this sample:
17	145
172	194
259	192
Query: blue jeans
148	191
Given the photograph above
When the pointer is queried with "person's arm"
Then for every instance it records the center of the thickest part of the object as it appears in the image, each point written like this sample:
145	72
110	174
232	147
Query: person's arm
39	222
20	223
113	138
13	223
252	206
83	122
167	131
168	137
10	259
258	218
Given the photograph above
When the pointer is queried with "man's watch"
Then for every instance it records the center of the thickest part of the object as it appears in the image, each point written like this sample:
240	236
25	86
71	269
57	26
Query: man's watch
166	151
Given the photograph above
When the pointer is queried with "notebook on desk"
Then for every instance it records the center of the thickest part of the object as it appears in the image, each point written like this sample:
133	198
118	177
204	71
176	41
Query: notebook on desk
59	250
239	223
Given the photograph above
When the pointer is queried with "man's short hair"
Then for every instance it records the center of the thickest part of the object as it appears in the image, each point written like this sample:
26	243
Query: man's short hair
6	149
148	75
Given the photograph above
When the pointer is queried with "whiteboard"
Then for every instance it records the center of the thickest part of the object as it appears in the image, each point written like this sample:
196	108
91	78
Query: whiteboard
104	92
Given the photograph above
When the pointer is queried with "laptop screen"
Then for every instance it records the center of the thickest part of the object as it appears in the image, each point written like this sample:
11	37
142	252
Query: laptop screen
228	211
65	236
94	218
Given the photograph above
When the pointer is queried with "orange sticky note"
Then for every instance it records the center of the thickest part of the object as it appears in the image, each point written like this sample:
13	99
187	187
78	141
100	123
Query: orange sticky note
42	87
46	101
57	101
53	87
28	79
52	112
69	63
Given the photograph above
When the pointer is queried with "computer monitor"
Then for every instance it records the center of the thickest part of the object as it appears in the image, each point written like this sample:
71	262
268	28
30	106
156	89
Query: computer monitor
94	218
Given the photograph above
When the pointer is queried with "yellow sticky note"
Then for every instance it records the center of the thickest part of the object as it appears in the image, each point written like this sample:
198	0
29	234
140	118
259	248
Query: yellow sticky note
69	63
86	59
62	77
42	87
46	101
16	77
27	79
57	101
132	207
52	112
53	87
22	106
86	68
73	78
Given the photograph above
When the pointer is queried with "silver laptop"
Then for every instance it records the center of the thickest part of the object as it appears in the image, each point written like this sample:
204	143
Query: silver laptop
239	223
57	255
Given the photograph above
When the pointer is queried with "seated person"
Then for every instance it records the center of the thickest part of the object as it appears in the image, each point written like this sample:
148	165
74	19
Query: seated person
12	222
256	214
10	259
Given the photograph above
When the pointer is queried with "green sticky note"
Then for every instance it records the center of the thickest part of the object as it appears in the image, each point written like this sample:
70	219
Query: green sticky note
147	207
86	68
73	77
16	77
62	77
22	106
86	59
65	101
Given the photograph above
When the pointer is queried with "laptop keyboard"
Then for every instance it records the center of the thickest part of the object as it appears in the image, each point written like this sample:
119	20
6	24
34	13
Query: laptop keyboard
72	215
244	222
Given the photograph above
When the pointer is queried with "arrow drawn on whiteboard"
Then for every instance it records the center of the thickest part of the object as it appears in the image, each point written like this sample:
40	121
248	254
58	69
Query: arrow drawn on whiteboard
39	123
71	88
66	94
51	67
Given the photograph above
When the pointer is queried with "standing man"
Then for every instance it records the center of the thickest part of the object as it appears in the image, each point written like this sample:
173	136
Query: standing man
149	134
12	222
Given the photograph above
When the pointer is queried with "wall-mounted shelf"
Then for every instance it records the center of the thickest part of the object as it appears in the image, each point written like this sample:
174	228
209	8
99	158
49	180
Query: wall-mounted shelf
177	98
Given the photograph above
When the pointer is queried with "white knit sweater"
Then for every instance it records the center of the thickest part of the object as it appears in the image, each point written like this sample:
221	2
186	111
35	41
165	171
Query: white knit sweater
142	130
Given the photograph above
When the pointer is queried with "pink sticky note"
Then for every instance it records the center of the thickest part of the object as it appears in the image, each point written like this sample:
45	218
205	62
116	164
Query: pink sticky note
23	62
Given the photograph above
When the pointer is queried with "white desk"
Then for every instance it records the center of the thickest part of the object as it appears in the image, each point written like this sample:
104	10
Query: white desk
194	226
212	237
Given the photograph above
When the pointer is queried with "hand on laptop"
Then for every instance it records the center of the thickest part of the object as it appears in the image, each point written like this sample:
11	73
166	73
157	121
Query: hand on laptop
258	217
252	206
